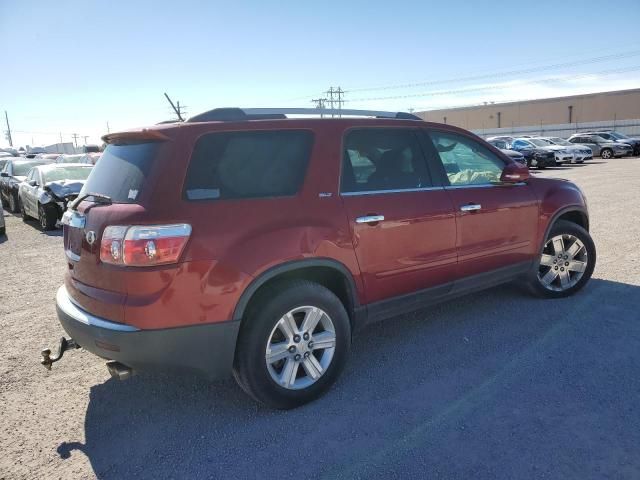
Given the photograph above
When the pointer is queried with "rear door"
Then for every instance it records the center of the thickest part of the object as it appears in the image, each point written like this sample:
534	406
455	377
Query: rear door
402	224
496	223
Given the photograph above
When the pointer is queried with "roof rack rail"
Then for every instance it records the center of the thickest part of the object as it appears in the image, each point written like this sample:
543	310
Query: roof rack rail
240	114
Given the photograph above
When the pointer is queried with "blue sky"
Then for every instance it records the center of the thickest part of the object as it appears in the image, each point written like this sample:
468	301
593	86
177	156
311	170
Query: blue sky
73	66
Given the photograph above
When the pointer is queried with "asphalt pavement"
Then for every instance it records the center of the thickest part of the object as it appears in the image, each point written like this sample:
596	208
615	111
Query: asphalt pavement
493	385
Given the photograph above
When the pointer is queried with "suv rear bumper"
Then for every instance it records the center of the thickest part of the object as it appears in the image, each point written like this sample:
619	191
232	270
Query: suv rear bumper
207	349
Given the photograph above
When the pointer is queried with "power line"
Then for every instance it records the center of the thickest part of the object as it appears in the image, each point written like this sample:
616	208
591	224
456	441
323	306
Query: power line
603	58
495	86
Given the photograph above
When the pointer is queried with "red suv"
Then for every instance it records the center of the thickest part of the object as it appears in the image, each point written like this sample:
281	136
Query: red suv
244	241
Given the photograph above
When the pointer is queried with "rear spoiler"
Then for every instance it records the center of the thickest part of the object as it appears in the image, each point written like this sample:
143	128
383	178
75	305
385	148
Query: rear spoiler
139	136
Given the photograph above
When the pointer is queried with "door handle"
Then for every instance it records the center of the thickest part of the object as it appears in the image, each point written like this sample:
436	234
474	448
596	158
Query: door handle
472	207
370	219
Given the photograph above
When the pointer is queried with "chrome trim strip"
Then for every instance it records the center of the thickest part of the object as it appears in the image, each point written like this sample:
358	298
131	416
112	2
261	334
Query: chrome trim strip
65	304
501	185
370	219
399	190
72	256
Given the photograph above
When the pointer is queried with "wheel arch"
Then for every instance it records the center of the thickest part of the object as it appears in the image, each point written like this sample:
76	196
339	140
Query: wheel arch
327	272
574	214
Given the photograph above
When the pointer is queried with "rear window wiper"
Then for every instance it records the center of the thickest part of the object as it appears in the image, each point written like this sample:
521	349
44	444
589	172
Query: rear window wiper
97	198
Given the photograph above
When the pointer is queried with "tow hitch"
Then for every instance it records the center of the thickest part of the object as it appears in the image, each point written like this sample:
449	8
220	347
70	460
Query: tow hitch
63	346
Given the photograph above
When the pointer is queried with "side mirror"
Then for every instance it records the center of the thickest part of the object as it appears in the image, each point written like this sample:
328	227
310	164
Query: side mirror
4	174
33	183
514	172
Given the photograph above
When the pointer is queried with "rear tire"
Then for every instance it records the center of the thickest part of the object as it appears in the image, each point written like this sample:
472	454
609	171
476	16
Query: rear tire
47	216
606	153
13	202
23	212
268	329
565	264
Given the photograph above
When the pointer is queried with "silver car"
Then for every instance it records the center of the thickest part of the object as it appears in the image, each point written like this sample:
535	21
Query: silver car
580	152
601	146
48	189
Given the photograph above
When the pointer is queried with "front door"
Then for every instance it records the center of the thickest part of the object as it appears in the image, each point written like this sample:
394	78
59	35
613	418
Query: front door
496	223
402	226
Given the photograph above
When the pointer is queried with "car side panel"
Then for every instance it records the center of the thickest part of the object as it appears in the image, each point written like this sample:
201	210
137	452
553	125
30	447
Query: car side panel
556	197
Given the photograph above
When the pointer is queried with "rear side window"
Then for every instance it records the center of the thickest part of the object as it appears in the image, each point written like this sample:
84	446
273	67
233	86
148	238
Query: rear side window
121	171
379	159
230	165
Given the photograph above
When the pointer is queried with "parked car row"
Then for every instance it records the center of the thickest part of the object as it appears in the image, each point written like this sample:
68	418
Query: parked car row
42	186
543	152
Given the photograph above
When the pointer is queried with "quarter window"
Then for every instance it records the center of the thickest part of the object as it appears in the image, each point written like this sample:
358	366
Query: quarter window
382	159
466	162
248	164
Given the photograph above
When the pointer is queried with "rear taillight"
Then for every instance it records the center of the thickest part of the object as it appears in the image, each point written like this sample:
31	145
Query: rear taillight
144	245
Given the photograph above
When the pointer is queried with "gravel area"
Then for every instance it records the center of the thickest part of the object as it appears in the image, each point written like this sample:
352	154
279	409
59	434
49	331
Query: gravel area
494	385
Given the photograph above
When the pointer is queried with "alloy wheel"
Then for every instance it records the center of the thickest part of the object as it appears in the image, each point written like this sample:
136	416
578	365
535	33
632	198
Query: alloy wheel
300	347
563	263
12	202
42	217
606	154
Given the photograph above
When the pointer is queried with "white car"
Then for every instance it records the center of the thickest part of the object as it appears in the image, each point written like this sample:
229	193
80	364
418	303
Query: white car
580	152
48	189
562	154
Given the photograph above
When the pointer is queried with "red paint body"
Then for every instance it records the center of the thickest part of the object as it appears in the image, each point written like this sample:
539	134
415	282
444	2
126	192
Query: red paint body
424	240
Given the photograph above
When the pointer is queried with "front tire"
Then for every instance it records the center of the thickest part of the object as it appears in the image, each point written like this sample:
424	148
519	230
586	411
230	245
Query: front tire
566	262
293	344
606	153
47	217
23	212
13	202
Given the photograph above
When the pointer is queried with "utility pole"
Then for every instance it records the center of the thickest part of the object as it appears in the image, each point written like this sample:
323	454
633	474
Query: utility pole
177	110
340	93
75	139
331	92
6	117
85	138
319	104
108	131
61	138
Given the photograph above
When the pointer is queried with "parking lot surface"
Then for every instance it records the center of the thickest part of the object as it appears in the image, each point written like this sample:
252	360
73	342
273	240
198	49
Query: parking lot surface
493	385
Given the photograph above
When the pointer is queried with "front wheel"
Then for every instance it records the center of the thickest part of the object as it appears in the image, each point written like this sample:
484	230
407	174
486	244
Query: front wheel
606	153
47	216
566	262
13	202
293	344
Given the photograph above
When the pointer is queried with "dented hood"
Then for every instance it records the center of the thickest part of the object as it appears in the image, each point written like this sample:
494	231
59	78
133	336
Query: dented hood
64	188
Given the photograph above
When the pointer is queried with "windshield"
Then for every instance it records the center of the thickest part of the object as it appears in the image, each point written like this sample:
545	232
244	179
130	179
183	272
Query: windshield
121	171
22	168
70	158
65	173
560	141
618	136
539	142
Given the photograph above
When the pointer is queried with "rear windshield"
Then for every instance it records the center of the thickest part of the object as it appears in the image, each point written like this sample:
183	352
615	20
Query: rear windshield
20	169
248	164
121	171
65	173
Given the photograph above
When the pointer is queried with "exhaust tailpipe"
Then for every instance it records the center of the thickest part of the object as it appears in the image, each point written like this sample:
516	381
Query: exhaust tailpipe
119	371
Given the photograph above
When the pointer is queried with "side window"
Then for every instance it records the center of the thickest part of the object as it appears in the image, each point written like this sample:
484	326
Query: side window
379	159
248	164
466	161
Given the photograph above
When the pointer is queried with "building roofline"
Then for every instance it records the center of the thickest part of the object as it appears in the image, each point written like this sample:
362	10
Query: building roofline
537	100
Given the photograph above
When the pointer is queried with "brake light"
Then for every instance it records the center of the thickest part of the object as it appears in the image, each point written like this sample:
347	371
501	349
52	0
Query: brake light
144	245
